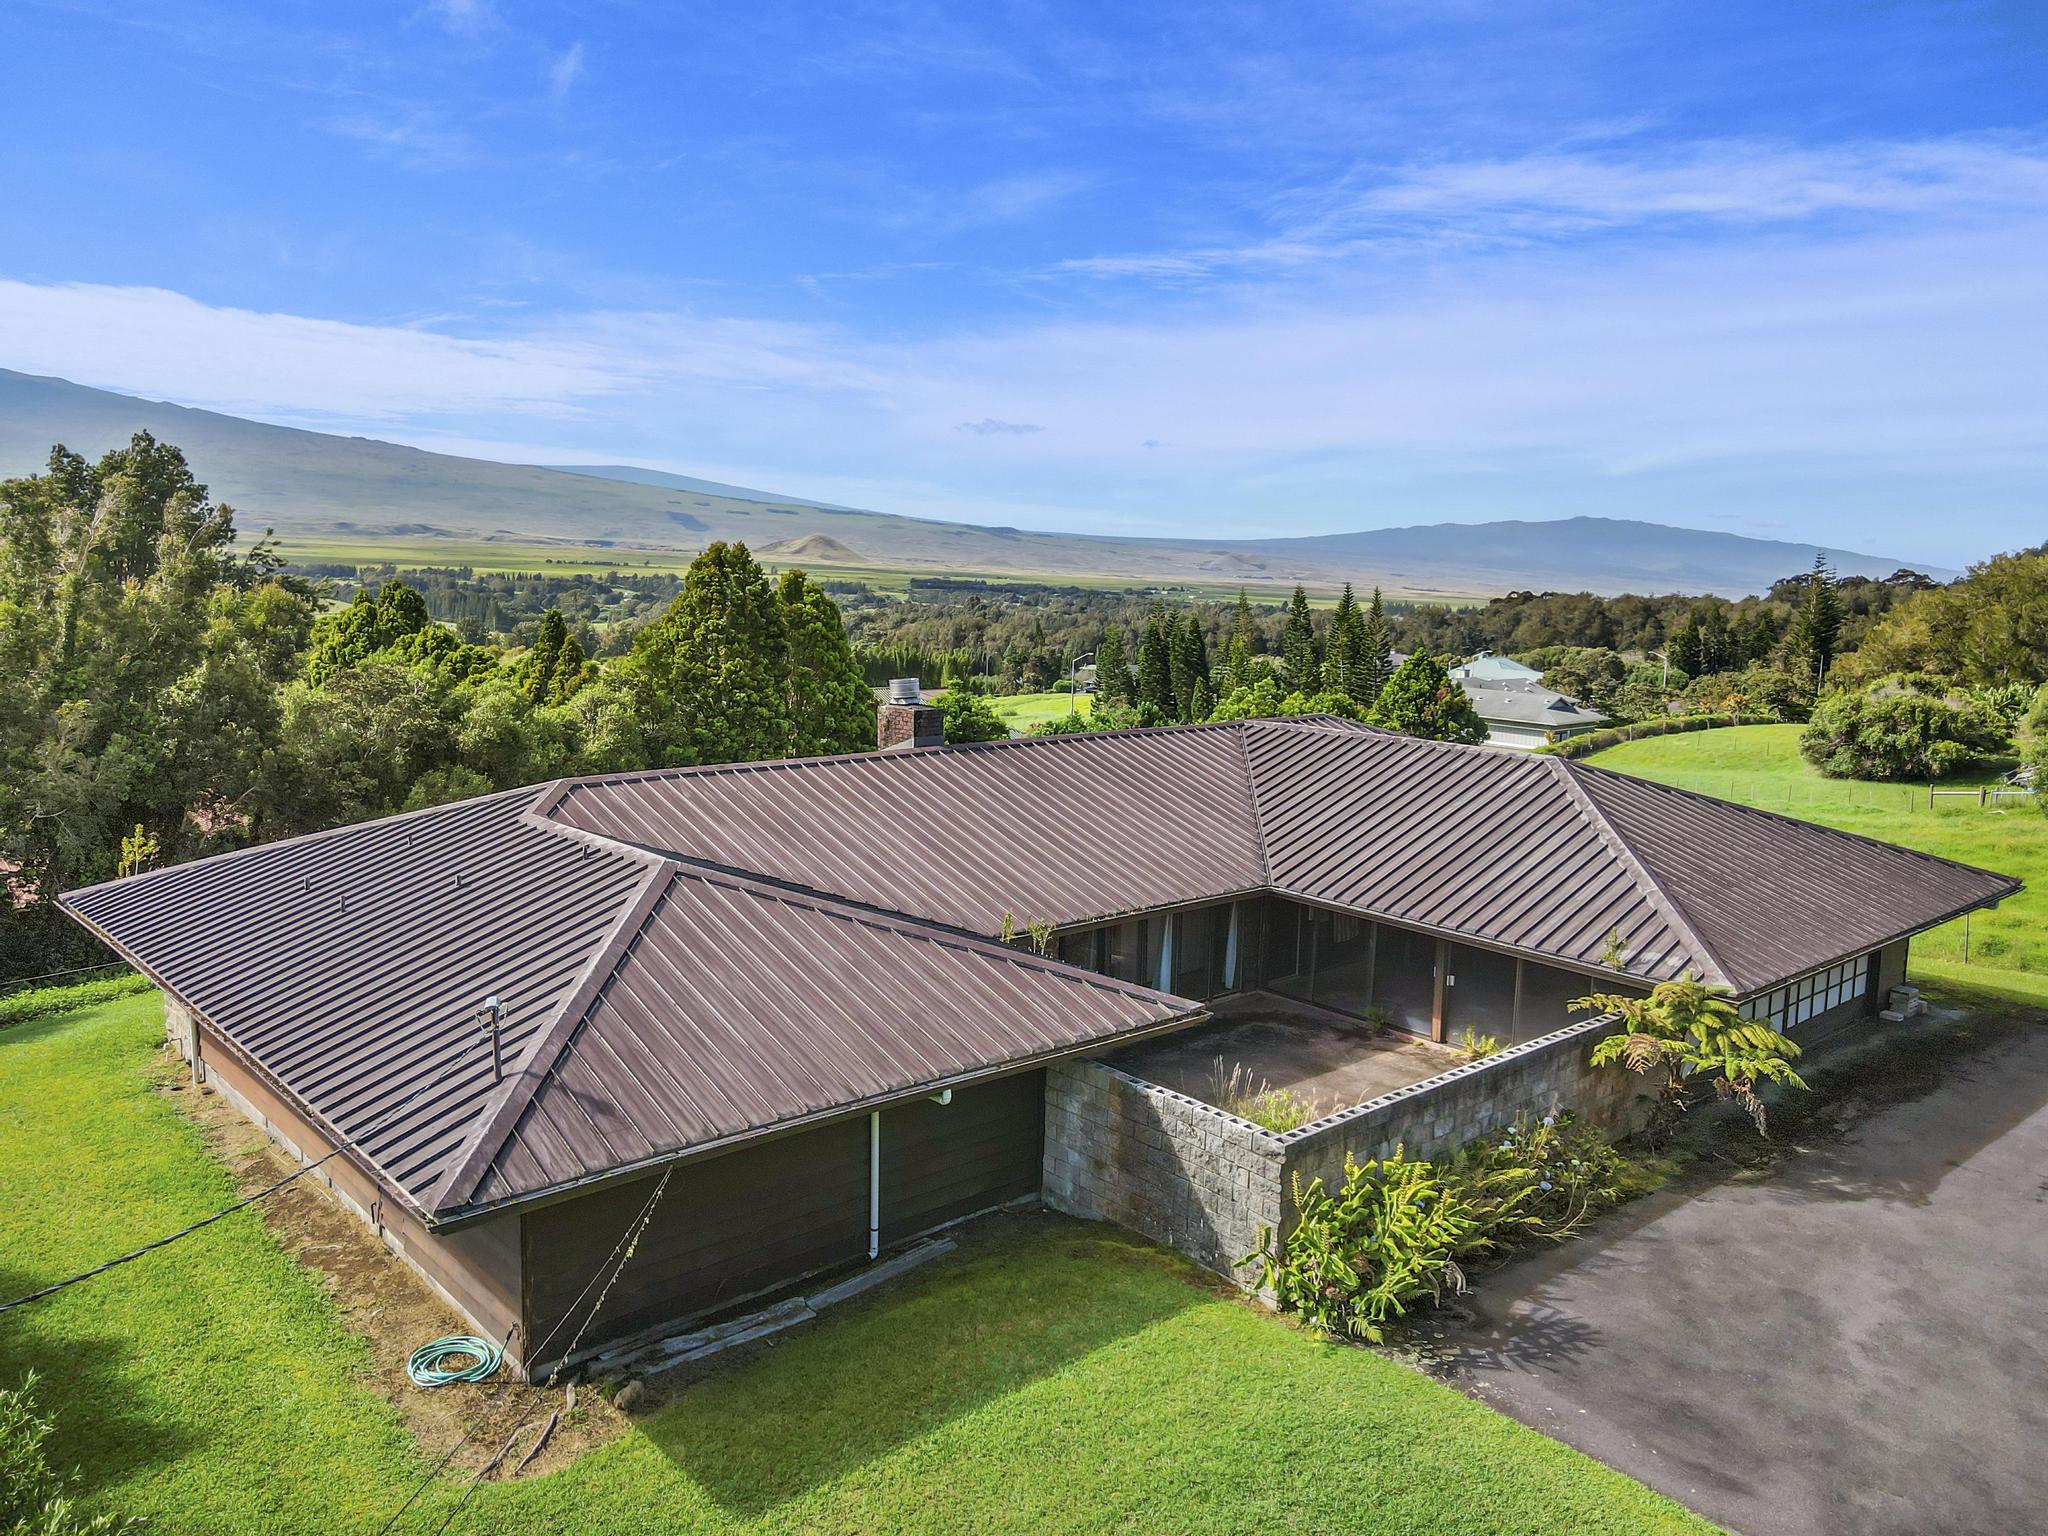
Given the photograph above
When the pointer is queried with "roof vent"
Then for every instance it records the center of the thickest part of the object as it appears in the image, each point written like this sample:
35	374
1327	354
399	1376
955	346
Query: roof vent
904	690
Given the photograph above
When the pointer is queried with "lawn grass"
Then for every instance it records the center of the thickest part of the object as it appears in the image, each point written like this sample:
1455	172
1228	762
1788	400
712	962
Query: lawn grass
1760	765
1021	711
1053	1376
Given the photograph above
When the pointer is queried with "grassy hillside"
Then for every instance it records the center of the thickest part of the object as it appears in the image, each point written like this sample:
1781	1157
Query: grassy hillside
1760	765
1021	711
1053	1376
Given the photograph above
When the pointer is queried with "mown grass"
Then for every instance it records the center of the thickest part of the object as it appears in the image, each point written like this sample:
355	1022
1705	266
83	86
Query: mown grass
1052	1377
1760	765
1021	711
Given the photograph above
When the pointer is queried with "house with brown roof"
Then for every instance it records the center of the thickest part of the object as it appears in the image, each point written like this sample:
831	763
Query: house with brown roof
829	1005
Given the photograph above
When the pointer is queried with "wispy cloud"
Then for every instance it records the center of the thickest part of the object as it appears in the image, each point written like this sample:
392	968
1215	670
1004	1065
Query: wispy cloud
565	71
464	18
990	426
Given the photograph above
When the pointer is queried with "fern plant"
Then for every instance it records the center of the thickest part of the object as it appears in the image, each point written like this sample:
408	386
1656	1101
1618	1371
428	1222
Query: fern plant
1690	1032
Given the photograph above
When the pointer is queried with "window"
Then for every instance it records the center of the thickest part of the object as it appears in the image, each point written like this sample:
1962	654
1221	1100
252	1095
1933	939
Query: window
1810	996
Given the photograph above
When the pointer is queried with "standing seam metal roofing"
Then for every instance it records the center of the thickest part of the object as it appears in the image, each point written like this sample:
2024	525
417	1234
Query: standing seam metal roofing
662	999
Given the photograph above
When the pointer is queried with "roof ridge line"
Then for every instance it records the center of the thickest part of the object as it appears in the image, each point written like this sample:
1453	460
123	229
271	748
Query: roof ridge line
480	1148
1647	882
1251	784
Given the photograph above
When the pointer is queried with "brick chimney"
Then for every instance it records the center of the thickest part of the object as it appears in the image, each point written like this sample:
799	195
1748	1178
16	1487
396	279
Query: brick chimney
904	723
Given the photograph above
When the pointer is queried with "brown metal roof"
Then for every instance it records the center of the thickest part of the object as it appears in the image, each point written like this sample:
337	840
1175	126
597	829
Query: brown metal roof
740	1008
661	999
1059	829
350	965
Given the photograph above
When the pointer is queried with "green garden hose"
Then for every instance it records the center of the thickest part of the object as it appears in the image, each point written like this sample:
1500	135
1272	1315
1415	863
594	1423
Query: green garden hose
428	1367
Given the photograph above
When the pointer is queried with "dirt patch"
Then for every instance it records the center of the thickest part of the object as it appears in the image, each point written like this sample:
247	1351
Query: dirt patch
385	1302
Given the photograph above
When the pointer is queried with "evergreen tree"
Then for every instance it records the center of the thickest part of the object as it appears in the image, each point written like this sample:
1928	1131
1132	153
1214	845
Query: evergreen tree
555	668
1243	646
1113	681
1343	670
1688	648
707	682
1422	699
1817	631
830	706
1376	652
1189	666
1155	665
1298	650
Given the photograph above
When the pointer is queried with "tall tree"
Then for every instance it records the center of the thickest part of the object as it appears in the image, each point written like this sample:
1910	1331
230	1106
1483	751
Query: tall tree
1817	631
1376	651
1189	665
1243	646
707	682
830	706
1298	650
1113	681
1342	663
1422	699
1155	664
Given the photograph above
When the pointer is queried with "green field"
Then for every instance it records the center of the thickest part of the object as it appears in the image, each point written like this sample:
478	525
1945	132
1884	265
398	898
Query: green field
1021	711
1760	765
565	559
1052	1376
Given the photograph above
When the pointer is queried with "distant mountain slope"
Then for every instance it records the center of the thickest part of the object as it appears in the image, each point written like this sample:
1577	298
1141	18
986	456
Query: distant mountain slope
633	474
316	482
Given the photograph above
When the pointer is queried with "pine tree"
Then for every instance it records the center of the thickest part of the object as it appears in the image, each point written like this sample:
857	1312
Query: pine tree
538	667
1189	665
1155	665
1243	646
830	706
708	681
1298	651
1113	680
1342	663
1376	652
1688	648
1421	699
1817	631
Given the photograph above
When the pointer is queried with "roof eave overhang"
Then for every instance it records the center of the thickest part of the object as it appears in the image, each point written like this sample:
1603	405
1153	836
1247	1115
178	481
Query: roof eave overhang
454	1219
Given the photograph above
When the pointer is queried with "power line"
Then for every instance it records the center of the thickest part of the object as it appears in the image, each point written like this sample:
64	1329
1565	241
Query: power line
76	970
247	1200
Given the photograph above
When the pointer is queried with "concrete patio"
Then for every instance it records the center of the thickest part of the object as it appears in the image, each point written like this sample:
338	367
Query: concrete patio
1331	1061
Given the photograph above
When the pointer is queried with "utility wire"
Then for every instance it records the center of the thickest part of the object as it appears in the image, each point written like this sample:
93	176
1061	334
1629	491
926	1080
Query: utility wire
247	1200
616	1260
76	970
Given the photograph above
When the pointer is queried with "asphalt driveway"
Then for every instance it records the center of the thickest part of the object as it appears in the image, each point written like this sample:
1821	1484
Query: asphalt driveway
1853	1341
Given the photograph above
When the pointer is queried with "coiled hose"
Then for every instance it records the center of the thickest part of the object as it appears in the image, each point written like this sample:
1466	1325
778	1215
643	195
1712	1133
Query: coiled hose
429	1366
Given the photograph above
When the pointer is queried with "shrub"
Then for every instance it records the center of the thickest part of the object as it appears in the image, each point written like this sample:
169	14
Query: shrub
1600	741
20	1007
1478	1047
34	1500
1388	1238
1892	732
968	717
1400	1231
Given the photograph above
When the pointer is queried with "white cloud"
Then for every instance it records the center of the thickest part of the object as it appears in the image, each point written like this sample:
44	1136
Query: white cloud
565	71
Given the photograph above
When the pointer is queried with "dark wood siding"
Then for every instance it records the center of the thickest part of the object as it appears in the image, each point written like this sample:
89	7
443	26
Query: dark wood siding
726	1228
770	1214
944	1161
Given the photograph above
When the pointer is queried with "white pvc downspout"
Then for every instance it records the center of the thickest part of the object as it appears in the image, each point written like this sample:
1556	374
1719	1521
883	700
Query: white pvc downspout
874	1183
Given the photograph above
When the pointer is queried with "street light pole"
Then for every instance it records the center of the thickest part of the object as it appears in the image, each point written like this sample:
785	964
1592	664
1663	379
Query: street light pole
1074	683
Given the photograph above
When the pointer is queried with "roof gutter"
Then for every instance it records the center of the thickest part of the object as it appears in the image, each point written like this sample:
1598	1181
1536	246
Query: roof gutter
449	1221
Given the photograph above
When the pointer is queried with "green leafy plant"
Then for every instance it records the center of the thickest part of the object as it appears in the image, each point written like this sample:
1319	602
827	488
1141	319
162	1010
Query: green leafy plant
1478	1047
1549	1175
1237	1092
1389	1237
1692	1034
35	1500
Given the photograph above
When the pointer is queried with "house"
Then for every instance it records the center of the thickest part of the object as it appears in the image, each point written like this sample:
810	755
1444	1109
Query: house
1518	710
776	998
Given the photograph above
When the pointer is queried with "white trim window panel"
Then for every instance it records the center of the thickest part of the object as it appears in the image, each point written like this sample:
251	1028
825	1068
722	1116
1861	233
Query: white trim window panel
1810	996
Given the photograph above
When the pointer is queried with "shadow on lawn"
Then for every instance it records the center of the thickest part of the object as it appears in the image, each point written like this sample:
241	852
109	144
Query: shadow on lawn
86	1386
1026	1297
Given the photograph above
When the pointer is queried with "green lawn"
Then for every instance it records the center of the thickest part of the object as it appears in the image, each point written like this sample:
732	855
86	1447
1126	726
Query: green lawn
1021	711
1056	1377
1760	765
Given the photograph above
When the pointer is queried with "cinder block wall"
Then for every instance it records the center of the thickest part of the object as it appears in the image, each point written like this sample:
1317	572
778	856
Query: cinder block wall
1163	1164
1446	1111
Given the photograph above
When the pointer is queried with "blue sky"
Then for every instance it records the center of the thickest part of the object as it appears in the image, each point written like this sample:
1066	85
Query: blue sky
1778	268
